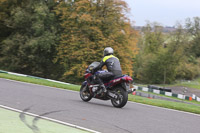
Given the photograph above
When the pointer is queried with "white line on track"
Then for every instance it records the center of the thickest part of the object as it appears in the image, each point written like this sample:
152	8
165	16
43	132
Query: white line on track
128	101
50	119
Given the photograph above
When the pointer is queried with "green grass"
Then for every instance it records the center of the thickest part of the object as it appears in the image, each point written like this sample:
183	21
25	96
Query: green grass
154	102
40	81
166	104
190	84
192	102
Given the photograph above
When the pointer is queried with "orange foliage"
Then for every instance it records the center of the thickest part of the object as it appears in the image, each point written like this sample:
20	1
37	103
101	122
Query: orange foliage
89	28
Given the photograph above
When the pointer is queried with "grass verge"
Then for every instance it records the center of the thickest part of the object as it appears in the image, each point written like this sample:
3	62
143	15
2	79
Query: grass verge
40	81
166	104
189	84
175	98
154	102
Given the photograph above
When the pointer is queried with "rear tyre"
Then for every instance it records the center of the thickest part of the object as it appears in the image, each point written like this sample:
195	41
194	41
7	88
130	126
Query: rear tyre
85	94
122	98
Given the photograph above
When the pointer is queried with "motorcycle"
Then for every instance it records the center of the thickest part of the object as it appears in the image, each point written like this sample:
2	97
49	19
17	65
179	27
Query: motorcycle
117	88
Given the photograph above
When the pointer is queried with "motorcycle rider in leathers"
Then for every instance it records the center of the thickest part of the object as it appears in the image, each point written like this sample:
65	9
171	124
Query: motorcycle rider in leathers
113	66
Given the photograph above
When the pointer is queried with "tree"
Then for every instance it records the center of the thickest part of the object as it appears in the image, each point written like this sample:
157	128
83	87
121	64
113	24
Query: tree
90	26
31	47
189	67
193	27
160	55
153	37
150	42
5	10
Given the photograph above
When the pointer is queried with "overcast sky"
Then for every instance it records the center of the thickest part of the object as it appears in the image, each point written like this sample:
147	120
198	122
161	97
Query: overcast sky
166	12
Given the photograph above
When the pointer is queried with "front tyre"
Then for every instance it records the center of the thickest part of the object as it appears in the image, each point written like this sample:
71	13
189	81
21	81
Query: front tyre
121	99
85	94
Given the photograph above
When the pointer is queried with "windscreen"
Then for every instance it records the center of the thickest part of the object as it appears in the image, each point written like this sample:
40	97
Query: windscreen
94	64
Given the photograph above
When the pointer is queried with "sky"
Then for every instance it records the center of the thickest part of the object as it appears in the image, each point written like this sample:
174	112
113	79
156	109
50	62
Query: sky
165	12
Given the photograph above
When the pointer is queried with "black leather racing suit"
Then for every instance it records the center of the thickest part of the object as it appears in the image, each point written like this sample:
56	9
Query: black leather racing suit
113	66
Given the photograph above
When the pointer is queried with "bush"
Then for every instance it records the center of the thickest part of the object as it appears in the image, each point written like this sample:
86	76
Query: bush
189	70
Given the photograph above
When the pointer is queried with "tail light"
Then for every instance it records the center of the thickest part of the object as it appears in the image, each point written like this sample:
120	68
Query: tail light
127	79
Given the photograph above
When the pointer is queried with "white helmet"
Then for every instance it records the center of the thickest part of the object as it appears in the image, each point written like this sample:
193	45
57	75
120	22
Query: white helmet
108	51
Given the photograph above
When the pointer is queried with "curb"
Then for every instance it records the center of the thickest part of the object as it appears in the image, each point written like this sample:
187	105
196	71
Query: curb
170	94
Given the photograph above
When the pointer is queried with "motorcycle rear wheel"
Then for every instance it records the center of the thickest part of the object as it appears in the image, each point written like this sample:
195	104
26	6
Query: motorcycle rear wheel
85	94
122	98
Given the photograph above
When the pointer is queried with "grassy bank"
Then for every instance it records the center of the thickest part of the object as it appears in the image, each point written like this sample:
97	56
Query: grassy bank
166	104
40	81
189	84
175	98
154	102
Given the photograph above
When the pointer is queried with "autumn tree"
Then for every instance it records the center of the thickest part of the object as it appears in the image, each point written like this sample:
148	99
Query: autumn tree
90	26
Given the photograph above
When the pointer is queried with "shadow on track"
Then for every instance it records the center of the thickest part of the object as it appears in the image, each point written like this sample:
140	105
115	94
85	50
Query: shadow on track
97	103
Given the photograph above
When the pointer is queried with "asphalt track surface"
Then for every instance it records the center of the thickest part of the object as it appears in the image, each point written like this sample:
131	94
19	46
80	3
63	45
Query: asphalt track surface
97	115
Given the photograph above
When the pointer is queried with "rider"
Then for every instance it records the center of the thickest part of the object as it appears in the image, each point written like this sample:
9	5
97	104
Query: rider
113	66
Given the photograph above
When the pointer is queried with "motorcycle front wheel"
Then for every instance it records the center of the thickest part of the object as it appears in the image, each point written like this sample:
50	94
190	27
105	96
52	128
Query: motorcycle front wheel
122	98
85	94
